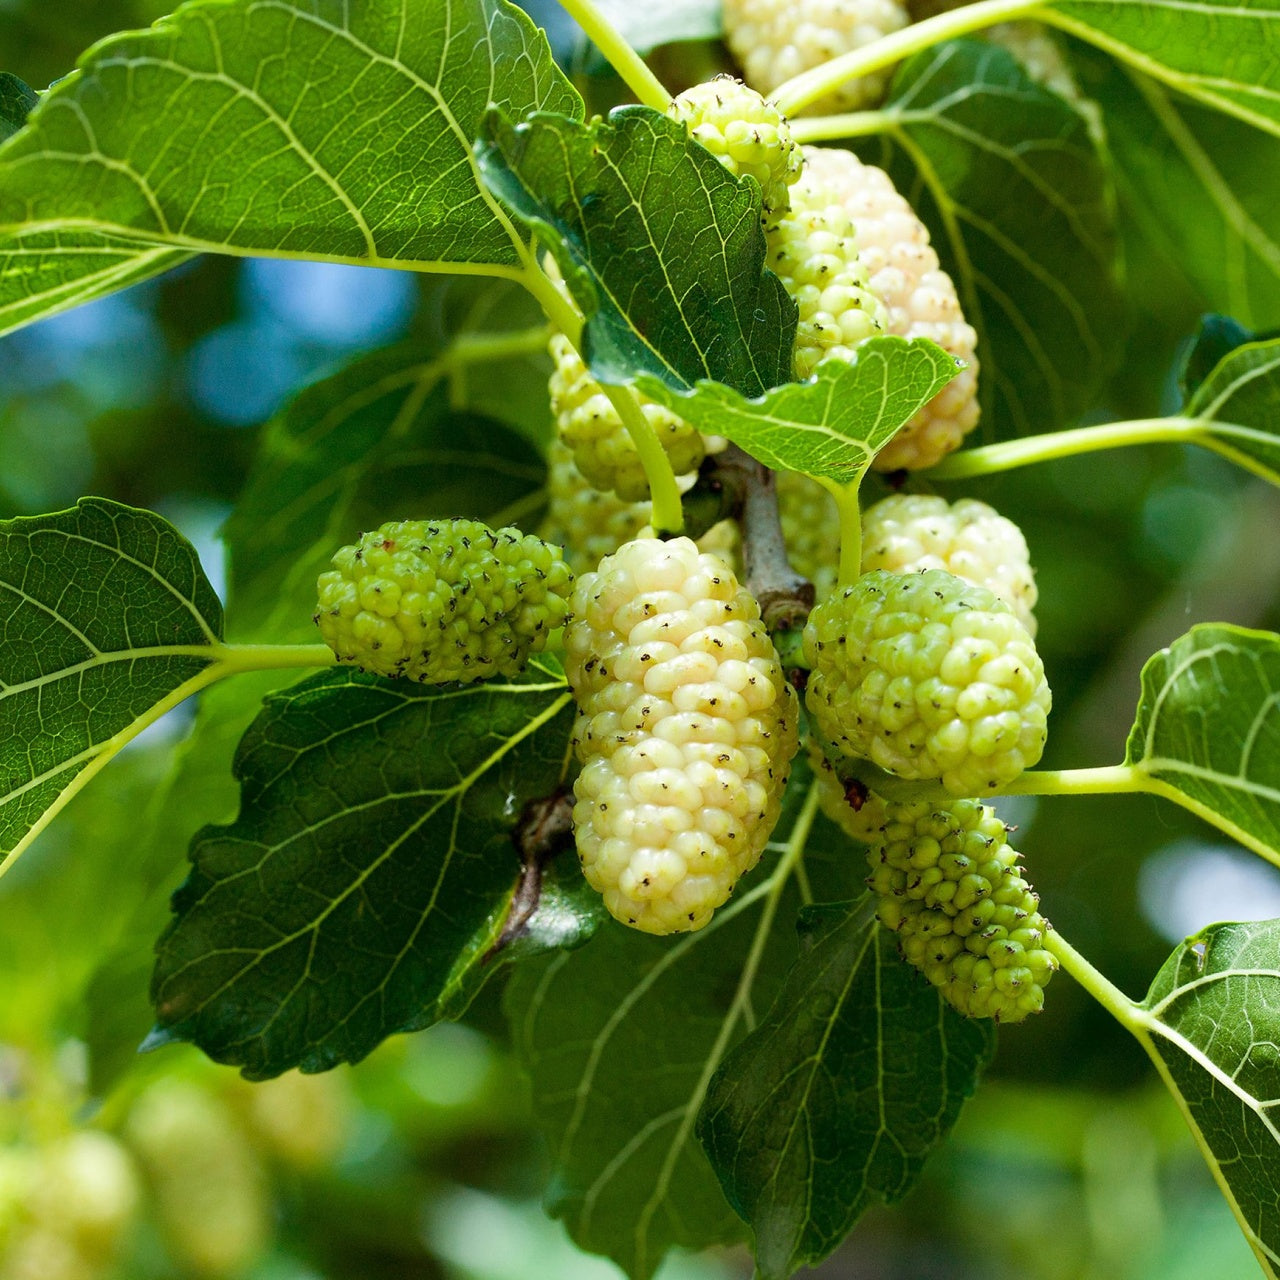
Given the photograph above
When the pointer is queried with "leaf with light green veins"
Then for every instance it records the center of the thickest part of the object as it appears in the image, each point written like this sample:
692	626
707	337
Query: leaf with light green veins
311	128
16	101
1207	732
1009	181
107	622
373	844
1221	52
833	1103
622	1038
831	425
659	243
1235	411
1213	1028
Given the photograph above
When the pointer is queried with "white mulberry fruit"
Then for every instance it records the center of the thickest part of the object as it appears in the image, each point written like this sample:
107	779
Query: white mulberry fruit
860	818
686	728
746	134
442	600
814	250
948	883
774	40
588	523
903	272
907	533
927	677
590	426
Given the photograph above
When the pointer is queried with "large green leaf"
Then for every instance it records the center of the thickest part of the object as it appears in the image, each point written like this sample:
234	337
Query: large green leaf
833	424
1219	51
659	243
314	128
1009	180
1202	188
1207	732
108	621
836	1099
1235	411
1213	1029
373	846
16	101
622	1039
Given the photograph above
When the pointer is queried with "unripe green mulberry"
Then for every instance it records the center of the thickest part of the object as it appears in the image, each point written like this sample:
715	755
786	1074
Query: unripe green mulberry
928	677
949	885
811	530
746	134
919	298
910	532
442	600
686	728
588	523
777	39
814	251
590	426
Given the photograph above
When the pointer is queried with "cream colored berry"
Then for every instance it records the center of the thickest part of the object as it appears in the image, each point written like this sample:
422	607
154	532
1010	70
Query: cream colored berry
774	40
859	817
686	728
919	298
811	530
909	532
590	427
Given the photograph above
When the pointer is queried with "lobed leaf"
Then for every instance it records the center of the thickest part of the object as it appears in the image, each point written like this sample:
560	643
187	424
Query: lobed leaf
1235	410
831	425
835	1100
373	847
1214	1030
661	246
312	128
1207	732
1009	180
1220	52
106	622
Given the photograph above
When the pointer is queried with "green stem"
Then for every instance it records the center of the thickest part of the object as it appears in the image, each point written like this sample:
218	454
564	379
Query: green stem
805	89
1064	444
621	56
846	496
854	124
668	514
1128	1014
1104	780
237	659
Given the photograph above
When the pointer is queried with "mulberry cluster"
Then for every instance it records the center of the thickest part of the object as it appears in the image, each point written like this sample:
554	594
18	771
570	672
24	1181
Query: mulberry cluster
748	135
686	728
908	533
774	40
919	299
860	817
927	676
949	885
811	529
442	600
588	523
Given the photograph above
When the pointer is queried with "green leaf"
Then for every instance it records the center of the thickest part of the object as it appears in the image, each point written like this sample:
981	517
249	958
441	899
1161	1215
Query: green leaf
314	128
16	102
1214	1029
1009	180
373	844
1220	52
1207	733
1215	339
833	424
622	1038
1200	187
108	622
377	441
661	246
1236	409
836	1099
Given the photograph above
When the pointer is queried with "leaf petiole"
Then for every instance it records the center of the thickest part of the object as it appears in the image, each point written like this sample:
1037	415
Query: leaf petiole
846	497
619	54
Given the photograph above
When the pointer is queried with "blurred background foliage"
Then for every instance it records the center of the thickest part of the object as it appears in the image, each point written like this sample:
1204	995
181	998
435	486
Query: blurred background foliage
421	1162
